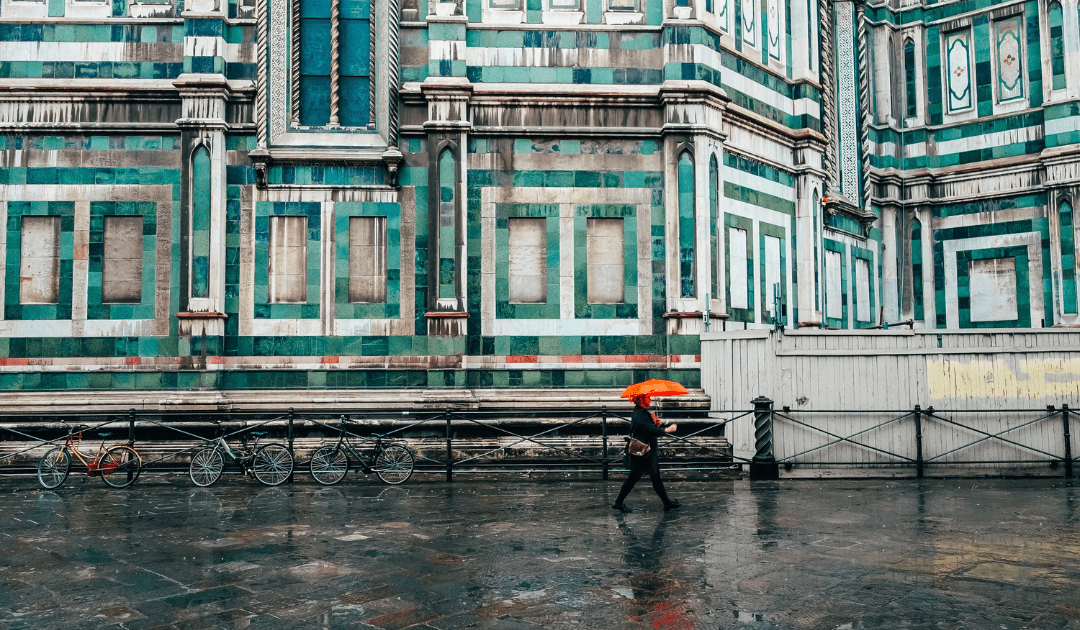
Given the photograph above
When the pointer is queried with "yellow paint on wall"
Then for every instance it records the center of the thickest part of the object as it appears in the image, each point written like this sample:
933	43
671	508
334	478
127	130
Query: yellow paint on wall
1032	378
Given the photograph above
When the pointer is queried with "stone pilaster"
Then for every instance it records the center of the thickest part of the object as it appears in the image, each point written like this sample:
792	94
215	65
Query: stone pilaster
447	263
203	127
693	125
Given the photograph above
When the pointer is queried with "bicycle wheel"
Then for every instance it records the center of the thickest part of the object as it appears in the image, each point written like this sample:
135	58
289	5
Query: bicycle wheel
329	464
120	466
53	468
273	463
394	464
206	466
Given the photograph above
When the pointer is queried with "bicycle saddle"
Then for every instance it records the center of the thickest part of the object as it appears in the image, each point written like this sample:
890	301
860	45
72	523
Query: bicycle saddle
104	435
258	433
378	435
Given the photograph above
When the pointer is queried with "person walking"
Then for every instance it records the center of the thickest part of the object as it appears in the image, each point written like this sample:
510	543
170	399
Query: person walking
645	426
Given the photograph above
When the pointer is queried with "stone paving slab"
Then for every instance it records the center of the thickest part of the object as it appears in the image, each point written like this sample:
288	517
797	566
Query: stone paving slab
508	552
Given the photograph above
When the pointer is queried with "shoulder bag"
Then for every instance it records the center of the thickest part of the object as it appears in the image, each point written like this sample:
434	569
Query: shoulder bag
637	448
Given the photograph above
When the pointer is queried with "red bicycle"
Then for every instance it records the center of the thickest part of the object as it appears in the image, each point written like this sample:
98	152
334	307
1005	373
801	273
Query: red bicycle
118	466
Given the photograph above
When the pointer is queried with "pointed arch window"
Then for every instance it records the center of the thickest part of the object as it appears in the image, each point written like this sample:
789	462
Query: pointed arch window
714	217
1068	258
910	91
687	223
817	265
917	270
447	235
200	223
1057	46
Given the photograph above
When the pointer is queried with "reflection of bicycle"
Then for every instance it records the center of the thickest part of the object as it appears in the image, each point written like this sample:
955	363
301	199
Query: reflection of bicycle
271	463
118	466
330	463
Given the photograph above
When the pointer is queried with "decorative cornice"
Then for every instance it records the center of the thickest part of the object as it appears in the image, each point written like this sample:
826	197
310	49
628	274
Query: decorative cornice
836	204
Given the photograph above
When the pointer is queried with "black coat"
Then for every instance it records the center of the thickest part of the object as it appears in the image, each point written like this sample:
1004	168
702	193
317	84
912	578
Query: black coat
643	428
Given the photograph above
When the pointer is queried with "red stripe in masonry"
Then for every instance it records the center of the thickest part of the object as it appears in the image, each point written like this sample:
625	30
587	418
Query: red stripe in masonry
522	359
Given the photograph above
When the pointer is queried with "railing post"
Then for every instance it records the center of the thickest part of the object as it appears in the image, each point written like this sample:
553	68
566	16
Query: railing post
449	448
918	442
131	426
603	434
1068	441
763	465
292	415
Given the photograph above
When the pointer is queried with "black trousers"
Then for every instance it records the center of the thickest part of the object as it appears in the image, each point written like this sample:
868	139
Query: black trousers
657	484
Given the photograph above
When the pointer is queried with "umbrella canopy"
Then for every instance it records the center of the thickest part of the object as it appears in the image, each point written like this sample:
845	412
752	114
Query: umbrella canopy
654	387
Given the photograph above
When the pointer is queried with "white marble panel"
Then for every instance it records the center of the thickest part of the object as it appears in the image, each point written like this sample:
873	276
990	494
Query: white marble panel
737	281
834	296
992	290
528	260
772	270
862	291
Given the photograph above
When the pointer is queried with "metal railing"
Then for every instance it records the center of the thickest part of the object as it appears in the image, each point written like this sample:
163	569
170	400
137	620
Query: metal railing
444	440
1000	441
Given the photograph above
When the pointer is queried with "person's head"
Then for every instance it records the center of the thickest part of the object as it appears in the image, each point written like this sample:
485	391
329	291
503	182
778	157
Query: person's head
642	400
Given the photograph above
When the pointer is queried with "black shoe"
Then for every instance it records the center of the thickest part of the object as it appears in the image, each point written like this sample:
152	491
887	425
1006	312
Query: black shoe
674	505
621	507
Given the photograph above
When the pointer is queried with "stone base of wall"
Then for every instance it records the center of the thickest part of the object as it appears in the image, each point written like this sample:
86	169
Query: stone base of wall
333	401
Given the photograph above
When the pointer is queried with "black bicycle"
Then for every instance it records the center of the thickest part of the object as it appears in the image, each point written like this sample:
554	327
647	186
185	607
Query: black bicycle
330	463
271	463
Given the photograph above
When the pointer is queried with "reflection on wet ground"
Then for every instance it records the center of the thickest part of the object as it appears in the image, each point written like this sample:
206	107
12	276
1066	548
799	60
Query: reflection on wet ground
510	553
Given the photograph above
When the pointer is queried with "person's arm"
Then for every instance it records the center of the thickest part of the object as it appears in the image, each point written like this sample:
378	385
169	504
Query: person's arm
646	427
657	422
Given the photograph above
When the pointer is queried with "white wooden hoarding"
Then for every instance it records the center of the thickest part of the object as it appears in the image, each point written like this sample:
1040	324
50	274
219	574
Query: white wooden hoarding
978	380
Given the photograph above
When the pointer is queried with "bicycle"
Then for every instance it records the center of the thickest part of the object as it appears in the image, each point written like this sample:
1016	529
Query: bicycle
330	463
118	466
271	463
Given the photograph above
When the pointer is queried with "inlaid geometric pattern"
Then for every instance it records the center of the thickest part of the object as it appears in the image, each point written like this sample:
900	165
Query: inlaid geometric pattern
749	22
1010	60
958	80
775	28
847	103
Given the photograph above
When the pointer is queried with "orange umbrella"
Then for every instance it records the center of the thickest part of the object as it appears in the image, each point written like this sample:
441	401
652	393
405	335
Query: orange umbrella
654	387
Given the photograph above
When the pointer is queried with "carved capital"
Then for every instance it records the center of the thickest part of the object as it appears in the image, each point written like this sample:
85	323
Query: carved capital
261	159
393	159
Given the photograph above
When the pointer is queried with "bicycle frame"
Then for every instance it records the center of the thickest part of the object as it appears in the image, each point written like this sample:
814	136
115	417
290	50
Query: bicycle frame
71	447
345	443
240	459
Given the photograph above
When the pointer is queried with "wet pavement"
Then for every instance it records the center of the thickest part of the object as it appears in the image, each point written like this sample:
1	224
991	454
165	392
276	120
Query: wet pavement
514	553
